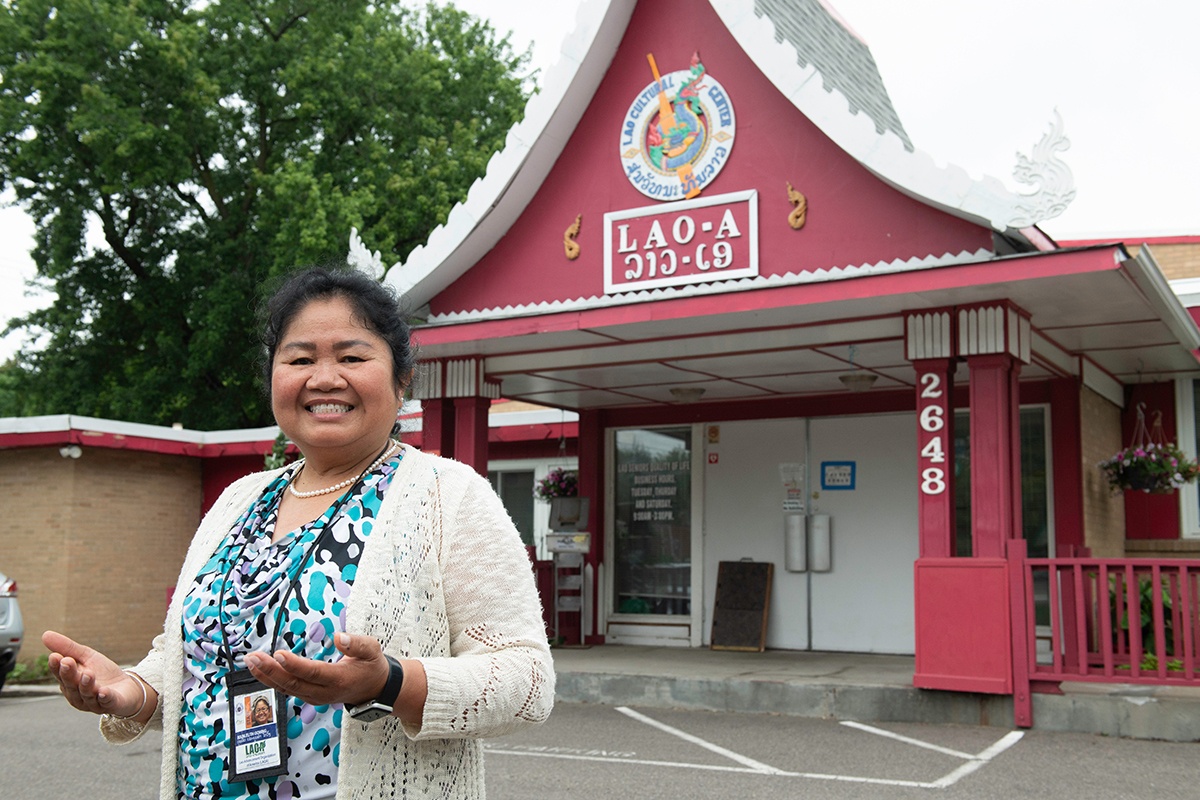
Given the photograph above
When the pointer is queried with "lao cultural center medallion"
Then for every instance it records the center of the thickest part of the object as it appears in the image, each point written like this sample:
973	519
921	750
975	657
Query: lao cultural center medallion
678	133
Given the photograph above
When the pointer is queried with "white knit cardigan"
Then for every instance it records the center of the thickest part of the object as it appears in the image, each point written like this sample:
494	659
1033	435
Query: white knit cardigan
444	578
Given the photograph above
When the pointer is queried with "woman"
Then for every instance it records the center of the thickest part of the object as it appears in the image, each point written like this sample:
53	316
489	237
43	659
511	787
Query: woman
260	712
381	596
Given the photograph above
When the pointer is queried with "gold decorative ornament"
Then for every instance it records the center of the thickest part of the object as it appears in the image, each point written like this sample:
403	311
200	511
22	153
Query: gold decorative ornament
569	243
797	217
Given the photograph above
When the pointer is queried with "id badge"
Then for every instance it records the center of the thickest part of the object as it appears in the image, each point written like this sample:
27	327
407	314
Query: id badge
258	748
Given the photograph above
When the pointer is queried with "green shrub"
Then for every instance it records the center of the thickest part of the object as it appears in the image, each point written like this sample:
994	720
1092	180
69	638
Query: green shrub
35	673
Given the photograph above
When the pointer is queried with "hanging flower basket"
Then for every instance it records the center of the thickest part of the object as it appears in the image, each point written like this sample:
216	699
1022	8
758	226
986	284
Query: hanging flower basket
1150	464
559	482
1153	468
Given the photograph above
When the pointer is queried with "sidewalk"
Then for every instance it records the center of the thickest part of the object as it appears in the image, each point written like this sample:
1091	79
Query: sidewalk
841	686
850	686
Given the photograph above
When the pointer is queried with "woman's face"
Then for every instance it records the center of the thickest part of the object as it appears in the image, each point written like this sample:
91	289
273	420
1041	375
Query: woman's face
332	389
262	711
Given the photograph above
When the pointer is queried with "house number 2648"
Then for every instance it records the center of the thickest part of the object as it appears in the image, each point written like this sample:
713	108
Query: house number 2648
933	421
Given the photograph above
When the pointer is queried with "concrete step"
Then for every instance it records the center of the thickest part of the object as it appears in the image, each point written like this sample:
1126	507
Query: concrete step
860	687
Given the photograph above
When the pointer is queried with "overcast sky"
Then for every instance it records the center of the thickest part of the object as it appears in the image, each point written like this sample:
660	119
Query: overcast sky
973	83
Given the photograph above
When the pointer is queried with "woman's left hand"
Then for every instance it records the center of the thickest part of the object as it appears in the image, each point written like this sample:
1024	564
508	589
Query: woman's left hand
358	677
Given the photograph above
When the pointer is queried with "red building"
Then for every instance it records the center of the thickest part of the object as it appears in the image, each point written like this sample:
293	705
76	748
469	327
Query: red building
778	320
792	338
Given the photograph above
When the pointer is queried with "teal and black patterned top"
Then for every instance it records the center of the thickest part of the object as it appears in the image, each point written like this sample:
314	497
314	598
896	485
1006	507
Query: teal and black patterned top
270	596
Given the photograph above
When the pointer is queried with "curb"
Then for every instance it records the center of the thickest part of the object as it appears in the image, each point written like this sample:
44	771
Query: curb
1134	716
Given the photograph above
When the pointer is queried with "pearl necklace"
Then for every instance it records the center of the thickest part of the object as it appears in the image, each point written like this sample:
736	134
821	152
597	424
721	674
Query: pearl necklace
302	495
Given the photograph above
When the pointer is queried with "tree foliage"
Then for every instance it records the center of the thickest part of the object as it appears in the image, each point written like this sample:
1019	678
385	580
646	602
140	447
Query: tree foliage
213	146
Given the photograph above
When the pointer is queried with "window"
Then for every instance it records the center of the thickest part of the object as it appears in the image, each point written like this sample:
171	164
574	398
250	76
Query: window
515	488
1187	401
1035	496
1035	482
514	479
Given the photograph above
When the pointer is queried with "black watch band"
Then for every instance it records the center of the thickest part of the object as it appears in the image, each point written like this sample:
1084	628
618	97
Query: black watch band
382	705
391	689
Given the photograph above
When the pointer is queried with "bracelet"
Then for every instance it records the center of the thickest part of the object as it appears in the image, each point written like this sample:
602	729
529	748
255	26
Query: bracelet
145	697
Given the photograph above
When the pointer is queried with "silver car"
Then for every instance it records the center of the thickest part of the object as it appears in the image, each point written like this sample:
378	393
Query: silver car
12	628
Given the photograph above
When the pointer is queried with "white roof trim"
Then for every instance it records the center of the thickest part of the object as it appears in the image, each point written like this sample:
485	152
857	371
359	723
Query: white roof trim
547	416
1102	383
65	423
514	175
1148	276
722	287
74	422
1187	290
949	188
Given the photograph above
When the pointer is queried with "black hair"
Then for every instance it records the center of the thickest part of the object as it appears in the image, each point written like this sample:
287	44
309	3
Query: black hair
375	305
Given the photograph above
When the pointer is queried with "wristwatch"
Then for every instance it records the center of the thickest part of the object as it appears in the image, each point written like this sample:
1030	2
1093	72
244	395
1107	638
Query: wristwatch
382	705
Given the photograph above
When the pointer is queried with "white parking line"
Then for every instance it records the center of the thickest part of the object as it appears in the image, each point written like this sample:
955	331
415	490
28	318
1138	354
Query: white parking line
644	761
753	767
756	766
1007	741
953	777
907	740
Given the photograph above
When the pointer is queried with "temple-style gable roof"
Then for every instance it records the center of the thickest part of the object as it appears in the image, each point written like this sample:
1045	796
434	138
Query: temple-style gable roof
575	275
821	67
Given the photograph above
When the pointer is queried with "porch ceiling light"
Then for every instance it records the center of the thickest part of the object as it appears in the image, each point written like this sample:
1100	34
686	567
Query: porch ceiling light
687	394
858	381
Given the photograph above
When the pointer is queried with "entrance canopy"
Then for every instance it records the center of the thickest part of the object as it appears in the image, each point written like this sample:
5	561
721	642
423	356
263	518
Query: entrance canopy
1097	314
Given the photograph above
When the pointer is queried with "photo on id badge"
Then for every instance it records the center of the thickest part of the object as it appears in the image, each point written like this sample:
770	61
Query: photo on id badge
256	736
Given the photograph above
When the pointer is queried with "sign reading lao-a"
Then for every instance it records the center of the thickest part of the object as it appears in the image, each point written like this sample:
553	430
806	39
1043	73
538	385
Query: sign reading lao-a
693	241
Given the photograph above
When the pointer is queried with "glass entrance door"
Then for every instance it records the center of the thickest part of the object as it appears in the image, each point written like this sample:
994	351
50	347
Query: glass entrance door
652	523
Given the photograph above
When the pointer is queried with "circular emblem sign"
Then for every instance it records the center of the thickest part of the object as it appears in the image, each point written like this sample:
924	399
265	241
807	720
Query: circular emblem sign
677	134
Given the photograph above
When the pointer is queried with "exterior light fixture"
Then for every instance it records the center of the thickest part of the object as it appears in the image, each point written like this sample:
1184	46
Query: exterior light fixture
858	381
70	451
687	394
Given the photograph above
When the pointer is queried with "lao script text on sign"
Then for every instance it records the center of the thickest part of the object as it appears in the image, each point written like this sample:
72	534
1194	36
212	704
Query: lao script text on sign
693	241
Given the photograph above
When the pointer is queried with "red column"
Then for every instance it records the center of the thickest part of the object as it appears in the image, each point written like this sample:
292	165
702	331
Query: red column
935	456
995	454
471	432
437	432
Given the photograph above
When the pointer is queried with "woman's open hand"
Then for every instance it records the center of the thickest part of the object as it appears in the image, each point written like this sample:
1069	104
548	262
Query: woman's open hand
357	677
90	680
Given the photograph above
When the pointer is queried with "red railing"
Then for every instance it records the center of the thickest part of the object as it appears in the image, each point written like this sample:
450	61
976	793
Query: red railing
1110	620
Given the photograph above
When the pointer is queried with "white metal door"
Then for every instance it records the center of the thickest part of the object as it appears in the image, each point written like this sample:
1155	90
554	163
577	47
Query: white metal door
864	604
744	518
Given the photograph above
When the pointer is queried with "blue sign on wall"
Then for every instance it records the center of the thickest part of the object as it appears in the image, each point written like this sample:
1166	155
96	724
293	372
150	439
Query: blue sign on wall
838	475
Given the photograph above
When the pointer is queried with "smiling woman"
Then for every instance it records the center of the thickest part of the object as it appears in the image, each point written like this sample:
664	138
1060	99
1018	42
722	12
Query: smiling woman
380	598
339	358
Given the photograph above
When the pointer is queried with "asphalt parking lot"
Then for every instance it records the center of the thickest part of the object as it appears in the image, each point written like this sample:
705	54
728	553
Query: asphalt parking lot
600	752
603	752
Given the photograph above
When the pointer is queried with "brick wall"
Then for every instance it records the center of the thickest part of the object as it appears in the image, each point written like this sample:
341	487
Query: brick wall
97	542
1103	512
1177	260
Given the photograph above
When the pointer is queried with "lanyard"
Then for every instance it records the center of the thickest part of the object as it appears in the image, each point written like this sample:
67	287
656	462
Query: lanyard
325	522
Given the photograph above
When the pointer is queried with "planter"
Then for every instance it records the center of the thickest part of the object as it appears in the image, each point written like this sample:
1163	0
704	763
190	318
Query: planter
1139	480
1152	468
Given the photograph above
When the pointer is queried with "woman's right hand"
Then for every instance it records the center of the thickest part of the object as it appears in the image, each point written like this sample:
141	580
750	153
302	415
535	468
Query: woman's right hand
91	681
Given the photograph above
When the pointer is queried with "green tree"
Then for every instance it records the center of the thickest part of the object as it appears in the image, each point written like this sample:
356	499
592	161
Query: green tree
213	146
